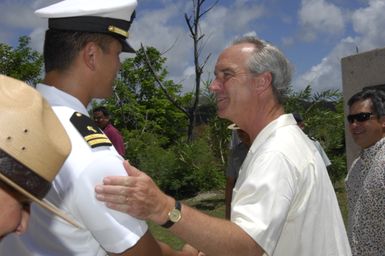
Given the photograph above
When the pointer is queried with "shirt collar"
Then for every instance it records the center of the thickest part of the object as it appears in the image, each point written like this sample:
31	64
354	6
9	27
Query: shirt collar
56	97
281	121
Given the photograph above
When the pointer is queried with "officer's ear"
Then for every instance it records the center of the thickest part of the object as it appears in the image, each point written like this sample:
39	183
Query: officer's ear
89	55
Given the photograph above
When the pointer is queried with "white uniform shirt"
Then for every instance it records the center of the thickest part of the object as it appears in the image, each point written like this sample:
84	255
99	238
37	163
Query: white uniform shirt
73	192
283	197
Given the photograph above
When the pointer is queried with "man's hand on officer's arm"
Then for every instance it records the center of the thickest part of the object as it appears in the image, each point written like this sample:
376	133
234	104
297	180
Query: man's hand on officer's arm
139	196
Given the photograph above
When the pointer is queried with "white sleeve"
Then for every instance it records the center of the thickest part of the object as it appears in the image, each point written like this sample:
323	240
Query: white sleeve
115	231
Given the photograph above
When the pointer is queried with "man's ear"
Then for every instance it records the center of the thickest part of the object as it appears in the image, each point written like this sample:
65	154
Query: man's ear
89	55
263	81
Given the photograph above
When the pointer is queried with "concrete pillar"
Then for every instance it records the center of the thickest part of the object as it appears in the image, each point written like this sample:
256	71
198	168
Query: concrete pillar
358	71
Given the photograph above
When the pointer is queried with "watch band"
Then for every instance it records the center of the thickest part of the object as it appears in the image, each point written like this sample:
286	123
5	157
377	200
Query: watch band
174	215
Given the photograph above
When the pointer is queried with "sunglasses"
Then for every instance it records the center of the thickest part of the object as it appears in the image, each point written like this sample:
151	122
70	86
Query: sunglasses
360	117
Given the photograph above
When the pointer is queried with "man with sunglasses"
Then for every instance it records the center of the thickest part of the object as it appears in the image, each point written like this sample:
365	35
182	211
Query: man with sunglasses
365	182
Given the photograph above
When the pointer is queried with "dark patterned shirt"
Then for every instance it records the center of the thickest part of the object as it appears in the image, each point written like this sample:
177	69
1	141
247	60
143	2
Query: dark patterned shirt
365	186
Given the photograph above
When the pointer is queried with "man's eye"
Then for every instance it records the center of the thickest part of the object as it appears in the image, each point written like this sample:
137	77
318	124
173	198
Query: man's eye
227	75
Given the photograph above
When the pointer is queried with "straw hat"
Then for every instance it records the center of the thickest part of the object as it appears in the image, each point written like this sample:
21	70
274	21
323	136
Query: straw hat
33	143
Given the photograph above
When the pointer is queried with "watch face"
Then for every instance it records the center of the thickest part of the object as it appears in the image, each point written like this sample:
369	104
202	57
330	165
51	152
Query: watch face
175	215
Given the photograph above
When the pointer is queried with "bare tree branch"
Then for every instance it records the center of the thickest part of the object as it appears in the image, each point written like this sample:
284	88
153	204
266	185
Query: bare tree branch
208	9
193	23
205	61
172	46
190	27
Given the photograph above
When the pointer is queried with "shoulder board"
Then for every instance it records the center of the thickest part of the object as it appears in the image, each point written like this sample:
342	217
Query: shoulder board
91	133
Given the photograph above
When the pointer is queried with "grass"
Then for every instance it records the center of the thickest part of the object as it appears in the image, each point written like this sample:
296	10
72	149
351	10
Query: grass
213	204
342	200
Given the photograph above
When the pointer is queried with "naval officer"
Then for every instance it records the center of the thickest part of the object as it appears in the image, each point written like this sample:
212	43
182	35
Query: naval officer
81	56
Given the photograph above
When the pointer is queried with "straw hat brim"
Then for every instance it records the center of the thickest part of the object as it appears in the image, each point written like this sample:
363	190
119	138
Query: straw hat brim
43	203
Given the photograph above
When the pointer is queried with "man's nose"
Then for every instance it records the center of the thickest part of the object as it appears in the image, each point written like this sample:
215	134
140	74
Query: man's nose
215	85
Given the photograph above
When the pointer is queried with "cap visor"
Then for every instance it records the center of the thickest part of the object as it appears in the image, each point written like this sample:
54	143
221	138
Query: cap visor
43	203
126	47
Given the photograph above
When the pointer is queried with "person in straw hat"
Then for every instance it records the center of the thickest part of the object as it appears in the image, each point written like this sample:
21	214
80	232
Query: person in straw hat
81	58
33	147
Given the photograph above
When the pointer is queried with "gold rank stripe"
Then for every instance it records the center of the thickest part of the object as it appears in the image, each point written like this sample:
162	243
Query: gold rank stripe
95	136
98	141
117	30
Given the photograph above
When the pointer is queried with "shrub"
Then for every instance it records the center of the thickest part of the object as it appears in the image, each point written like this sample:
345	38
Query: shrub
181	170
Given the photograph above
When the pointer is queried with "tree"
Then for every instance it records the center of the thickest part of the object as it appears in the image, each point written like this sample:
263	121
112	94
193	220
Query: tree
193	23
141	105
21	63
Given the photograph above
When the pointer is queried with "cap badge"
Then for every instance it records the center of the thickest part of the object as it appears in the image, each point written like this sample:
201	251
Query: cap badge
118	31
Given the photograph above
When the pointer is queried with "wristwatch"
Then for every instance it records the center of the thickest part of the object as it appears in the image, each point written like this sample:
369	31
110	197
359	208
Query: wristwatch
174	215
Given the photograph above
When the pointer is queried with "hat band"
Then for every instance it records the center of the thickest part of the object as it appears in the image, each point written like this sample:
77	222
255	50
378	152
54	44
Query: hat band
91	24
23	176
118	31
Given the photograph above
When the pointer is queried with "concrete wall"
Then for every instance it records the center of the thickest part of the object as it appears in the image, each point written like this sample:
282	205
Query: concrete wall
358	71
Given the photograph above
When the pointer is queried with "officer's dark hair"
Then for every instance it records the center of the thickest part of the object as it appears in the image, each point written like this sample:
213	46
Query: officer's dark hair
377	97
61	47
102	109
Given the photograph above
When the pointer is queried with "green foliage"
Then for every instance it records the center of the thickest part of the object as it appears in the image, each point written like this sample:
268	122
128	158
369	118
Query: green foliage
219	135
220	138
199	167
324	121
139	143
181	170
139	104
21	63
146	151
